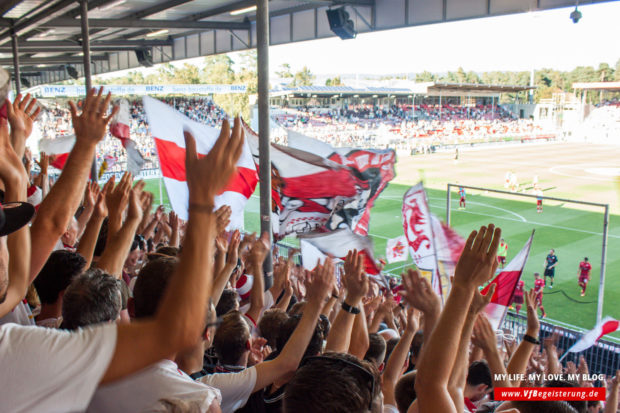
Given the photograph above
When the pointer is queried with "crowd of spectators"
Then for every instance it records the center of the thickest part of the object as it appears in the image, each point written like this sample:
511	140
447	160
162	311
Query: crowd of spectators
367	125
109	304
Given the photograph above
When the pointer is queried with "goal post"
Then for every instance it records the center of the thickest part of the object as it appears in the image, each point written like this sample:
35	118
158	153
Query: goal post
605	207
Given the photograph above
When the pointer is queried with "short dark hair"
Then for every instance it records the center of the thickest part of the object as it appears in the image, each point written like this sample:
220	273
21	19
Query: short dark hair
416	344
315	346
231	338
404	392
270	325
376	349
228	302
151	285
479	373
335	383
57	273
93	297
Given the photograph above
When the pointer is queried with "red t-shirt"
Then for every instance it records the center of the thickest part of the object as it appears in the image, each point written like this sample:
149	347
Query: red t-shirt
539	285
519	289
585	268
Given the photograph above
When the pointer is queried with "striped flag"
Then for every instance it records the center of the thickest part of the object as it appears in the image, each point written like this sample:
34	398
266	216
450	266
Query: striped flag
506	282
58	149
119	128
606	326
166	126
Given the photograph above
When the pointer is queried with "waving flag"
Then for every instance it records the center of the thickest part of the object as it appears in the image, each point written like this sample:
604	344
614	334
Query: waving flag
305	188
506	282
58	149
397	250
337	244
167	125
119	128
606	326
372	170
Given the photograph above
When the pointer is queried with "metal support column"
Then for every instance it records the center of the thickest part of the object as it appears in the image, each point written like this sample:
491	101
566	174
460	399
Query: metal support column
262	46
448	203
601	288
88	81
18	82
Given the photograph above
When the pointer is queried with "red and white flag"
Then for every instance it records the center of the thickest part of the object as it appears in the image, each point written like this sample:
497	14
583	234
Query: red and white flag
417	223
372	170
119	128
397	249
337	244
166	126
58	149
606	326
305	188
506	284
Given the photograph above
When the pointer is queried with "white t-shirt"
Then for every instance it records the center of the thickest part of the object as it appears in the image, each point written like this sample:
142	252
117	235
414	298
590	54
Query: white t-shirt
142	390
47	370
236	388
21	315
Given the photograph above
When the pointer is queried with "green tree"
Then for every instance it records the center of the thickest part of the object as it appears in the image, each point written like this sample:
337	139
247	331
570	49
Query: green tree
303	78
285	71
425	76
334	82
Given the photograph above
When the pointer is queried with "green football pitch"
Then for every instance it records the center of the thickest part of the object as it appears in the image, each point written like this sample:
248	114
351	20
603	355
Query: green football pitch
574	232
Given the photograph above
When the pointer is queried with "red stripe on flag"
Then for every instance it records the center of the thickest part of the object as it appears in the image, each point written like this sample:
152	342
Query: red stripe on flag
506	282
59	160
120	130
172	163
609	327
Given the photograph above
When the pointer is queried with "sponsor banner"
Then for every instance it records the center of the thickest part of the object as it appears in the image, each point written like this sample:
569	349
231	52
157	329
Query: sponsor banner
549	393
138	90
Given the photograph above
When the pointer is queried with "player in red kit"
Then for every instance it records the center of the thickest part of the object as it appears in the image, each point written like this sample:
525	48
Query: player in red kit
584	275
517	298
539	286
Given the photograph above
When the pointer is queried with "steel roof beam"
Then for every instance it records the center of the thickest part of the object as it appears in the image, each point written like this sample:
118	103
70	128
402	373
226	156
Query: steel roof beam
147	24
50	60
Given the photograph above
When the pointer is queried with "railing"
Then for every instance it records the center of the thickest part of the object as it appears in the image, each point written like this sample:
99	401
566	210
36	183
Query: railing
602	358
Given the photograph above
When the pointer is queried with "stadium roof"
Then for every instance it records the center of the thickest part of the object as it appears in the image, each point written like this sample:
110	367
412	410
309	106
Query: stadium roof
611	86
49	34
426	89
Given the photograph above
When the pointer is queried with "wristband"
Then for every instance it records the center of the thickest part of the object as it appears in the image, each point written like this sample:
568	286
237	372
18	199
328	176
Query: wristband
350	309
531	339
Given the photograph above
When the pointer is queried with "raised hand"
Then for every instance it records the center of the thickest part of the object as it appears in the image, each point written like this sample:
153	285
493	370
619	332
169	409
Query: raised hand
418	293
101	208
222	217
533	325
21	114
259	249
43	162
232	256
173	220
91	194
90	126
321	282
355	279
116	200
480	301
11	168
478	261
208	175
484	335
135	206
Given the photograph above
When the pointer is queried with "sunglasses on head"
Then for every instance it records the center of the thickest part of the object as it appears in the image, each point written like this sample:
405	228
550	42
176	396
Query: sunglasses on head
344	363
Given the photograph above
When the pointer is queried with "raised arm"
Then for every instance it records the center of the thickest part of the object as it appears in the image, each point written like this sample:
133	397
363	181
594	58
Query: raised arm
231	262
289	358
398	358
484	337
360	341
257	255
87	244
476	265
21	115
357	284
518	362
174	224
64	198
12	174
90	197
417	291
118	246
611	404
181	315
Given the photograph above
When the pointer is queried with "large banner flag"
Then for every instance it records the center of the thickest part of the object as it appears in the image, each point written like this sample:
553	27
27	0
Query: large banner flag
506	283
337	244
58	149
372	170
417	223
448	247
305	188
397	249
119	128
166	126
605	326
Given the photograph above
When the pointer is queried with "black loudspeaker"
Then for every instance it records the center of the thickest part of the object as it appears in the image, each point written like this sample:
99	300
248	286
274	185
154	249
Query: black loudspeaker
72	72
145	57
25	82
341	24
